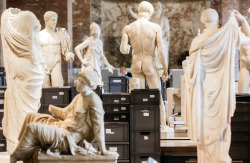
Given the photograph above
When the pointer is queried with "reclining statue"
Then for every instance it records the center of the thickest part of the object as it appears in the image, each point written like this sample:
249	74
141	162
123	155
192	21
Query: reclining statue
73	129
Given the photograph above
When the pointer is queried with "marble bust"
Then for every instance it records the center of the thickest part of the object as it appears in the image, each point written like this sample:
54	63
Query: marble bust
94	55
209	86
75	127
145	37
54	43
24	70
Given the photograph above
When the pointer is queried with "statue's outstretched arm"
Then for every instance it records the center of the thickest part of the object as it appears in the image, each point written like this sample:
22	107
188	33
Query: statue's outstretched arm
160	52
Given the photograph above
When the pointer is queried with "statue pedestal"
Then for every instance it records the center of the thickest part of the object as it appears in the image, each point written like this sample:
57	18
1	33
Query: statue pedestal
40	157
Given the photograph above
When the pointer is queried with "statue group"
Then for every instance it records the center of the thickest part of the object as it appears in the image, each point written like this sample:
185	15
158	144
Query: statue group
32	59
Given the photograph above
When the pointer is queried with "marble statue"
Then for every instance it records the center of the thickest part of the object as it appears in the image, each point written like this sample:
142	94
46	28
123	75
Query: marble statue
73	129
162	20
94	54
244	75
24	70
209	86
145	37
54	43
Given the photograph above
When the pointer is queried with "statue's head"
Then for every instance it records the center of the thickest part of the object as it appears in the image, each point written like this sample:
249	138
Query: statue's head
158	9
209	16
50	18
87	80
95	30
145	9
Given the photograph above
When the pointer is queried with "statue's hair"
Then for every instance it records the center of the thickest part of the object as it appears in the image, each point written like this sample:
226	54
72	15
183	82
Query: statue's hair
145	8
93	25
209	15
49	14
90	76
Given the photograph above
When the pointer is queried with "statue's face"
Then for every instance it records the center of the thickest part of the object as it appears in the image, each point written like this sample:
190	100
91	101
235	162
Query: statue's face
51	23
96	32
82	85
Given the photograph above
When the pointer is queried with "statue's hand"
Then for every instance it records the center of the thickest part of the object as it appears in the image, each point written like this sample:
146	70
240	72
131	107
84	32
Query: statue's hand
238	16
165	75
110	68
70	57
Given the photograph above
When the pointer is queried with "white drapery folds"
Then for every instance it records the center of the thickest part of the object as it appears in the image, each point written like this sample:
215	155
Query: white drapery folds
24	70
209	86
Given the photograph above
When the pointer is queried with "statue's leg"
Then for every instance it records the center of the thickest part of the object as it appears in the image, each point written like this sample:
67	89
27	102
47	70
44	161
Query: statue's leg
141	76
56	76
243	80
155	83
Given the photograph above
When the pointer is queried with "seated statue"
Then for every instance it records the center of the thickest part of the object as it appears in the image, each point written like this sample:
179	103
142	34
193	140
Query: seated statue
74	126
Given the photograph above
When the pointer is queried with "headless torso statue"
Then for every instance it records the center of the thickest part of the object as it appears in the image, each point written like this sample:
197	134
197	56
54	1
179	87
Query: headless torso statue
54	42
145	37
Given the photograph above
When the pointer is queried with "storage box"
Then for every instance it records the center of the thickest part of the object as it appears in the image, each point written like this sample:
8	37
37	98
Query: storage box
241	116
145	142
116	117
1	101
116	108
240	127
122	148
116	132
1	114
242	97
118	87
236	137
145	97
55	95
2	145
116	98
145	117
2	90
144	158
1	133
240	151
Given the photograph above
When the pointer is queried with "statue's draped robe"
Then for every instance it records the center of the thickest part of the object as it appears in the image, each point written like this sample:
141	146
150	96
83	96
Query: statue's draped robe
24	70
210	94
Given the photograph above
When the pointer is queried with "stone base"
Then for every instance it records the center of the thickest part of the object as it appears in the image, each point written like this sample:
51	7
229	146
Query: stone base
4	157
40	157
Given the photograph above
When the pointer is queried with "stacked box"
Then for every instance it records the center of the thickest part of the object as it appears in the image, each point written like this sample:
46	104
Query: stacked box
57	96
116	118
240	127
2	77
2	138
145	125
118	84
